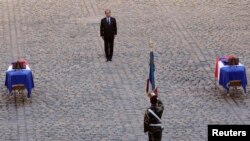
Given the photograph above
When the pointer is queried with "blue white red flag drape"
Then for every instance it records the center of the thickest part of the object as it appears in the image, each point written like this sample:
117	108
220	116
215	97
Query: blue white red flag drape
151	80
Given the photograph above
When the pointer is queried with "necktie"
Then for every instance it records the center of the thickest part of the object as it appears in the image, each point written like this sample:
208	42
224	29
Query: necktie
108	20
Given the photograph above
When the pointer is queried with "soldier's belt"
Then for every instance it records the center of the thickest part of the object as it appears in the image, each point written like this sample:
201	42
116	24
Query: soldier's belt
160	125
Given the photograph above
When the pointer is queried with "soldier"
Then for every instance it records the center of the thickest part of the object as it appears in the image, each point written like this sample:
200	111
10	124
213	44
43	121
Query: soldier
152	119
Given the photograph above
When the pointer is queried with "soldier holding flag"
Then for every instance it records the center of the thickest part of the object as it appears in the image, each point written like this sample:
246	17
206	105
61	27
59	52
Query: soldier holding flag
152	118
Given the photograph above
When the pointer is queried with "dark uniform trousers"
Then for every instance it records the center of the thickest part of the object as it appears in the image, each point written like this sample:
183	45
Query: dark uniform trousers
154	133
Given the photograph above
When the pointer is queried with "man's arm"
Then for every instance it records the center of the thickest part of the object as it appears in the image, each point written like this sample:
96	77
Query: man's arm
160	107
159	102
102	28
115	27
146	122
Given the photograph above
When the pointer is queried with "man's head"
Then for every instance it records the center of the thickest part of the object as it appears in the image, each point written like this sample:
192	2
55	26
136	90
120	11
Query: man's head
107	12
153	100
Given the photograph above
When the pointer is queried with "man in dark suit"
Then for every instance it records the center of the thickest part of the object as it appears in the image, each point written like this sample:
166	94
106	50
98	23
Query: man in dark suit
108	31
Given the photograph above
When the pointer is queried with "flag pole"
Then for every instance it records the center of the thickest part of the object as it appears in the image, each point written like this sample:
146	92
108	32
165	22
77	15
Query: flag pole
150	44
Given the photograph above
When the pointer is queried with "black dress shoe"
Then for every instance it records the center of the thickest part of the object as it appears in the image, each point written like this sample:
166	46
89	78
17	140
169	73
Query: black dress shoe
107	60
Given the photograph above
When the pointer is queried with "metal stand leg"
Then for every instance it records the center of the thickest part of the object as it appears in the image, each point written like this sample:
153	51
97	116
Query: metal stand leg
228	92
235	90
215	85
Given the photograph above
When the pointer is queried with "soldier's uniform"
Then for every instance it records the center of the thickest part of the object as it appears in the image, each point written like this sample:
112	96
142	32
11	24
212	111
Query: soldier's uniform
151	124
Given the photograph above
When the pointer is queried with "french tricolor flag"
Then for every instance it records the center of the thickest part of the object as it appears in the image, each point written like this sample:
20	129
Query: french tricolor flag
151	80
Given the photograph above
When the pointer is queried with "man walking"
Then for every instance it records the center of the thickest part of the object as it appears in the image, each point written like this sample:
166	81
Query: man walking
108	31
152	119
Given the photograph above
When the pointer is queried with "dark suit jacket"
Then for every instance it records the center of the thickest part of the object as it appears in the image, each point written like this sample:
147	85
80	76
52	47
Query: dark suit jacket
108	30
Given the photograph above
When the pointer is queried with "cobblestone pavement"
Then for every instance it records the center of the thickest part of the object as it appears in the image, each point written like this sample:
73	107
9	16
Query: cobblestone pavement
80	97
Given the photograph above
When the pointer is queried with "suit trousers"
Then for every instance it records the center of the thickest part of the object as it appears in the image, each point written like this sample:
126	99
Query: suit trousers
109	47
